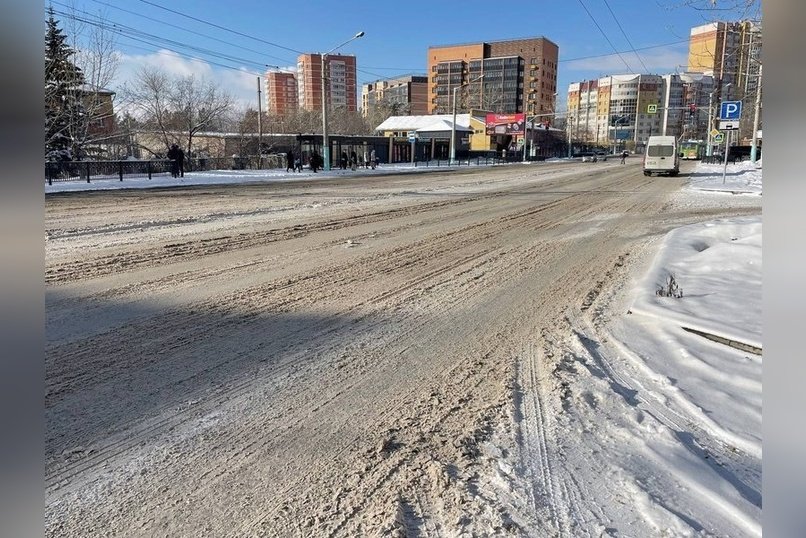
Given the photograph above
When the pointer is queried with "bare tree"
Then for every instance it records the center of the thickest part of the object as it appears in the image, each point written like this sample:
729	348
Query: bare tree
78	101
198	105
177	108
98	59
149	95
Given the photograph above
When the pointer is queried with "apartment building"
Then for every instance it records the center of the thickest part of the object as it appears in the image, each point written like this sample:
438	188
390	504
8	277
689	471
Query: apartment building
616	107
685	105
504	77
730	52
281	93
613	110
340	82
408	92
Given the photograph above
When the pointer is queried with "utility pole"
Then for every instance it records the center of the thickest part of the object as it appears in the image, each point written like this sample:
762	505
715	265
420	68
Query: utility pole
754	144
259	129
708	149
325	141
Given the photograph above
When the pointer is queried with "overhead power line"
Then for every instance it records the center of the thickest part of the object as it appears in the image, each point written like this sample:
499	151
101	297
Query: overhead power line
184	29
221	27
646	70
605	35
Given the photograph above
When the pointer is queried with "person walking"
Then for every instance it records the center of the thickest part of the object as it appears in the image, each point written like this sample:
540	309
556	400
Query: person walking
297	163
372	161
173	155
289	161
343	160
623	156
353	160
314	161
366	159
181	161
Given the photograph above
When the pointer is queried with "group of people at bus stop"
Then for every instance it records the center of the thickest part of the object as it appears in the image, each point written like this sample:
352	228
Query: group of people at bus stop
294	161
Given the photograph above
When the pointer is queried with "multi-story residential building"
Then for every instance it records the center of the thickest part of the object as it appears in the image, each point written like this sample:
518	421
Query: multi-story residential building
685	105
617	107
281	93
731	52
340	87
582	107
504	77
613	110
409	93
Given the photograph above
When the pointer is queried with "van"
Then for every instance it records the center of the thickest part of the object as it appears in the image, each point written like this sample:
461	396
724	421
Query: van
661	156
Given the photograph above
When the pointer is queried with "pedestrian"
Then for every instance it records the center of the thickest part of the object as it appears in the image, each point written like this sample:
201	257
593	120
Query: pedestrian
623	156
289	161
366	159
173	155
372	161
343	160
181	160
314	161
353	160
297	164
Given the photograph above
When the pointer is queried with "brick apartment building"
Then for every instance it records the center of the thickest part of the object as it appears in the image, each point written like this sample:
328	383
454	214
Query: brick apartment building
341	89
409	91
281	93
520	75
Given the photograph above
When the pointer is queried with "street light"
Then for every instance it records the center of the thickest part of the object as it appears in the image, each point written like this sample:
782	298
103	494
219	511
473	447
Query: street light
325	141
709	149
453	125
754	143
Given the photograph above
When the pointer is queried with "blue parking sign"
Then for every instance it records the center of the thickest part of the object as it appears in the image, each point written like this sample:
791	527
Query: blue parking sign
730	110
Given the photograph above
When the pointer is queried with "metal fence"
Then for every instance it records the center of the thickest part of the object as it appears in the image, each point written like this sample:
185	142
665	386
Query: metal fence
476	161
56	172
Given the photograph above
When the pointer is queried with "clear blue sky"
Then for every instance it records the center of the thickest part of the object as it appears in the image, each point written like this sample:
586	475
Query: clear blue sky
249	34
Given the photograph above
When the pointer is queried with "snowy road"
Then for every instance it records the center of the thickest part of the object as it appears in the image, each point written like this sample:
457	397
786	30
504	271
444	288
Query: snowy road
345	357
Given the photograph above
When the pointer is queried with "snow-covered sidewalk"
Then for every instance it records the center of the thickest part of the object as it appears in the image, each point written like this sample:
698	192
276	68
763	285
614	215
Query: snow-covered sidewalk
740	178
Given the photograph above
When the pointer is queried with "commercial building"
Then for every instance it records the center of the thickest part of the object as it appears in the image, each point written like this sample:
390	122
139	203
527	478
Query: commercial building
519	75
407	94
281	93
340	87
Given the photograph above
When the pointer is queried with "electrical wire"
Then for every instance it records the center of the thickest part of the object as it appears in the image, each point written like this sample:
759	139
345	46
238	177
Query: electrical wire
632	47
194	32
604	34
221	27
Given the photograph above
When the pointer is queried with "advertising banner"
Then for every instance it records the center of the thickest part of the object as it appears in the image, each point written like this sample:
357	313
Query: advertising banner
505	124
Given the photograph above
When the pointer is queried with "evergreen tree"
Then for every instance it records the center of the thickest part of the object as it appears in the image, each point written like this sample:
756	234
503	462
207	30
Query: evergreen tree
63	80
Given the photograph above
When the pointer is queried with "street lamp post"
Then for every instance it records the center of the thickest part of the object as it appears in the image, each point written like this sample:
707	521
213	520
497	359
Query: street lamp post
754	143
709	150
259	129
453	124
325	141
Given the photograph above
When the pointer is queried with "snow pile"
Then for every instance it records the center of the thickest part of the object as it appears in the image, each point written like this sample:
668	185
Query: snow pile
740	178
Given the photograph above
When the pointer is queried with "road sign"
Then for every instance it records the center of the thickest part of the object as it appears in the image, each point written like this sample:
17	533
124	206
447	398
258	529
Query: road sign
652	109
719	138
714	132
412	137
728	125
730	110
